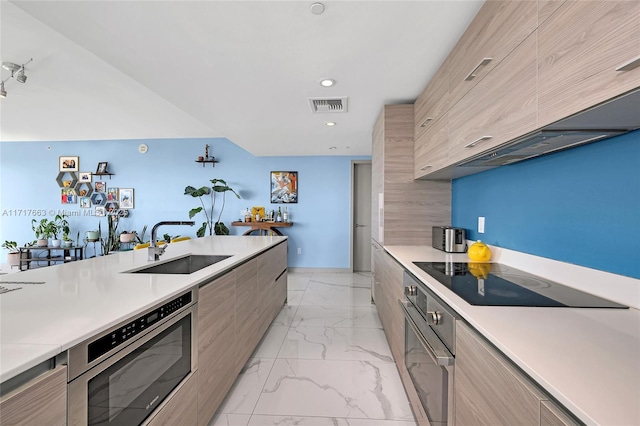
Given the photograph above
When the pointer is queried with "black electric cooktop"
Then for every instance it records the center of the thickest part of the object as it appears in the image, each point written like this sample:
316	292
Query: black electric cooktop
494	284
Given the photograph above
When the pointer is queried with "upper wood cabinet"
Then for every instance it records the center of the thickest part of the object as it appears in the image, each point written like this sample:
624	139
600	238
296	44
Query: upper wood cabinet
546	8
552	415
498	28
431	149
403	209
589	52
432	103
501	107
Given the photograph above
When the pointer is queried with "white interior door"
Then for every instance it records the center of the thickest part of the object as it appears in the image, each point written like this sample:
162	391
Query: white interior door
362	217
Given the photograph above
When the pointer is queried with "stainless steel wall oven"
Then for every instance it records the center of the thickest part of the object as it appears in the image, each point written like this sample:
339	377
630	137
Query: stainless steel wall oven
429	350
122	375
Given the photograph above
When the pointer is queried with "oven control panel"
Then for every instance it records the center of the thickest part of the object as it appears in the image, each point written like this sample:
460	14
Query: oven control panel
129	330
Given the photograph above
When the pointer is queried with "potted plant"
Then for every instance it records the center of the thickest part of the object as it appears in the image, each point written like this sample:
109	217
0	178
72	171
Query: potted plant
60	225
44	230
112	241
218	227
127	237
13	258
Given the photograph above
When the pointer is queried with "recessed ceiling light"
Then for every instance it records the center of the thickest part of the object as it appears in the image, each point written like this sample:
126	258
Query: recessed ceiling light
330	123
327	82
317	8
333	147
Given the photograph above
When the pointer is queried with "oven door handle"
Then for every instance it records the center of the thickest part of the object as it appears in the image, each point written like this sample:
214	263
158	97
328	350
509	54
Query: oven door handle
441	356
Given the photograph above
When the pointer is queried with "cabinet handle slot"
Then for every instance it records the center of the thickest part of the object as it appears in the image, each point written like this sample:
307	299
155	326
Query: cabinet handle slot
472	74
426	167
427	120
629	65
477	141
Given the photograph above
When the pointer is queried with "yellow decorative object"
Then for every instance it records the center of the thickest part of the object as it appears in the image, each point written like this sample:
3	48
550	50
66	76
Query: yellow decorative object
257	211
175	240
66	183
145	245
480	270
479	252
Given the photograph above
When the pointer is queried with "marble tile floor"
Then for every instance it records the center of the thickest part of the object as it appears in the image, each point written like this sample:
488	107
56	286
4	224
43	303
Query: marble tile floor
323	361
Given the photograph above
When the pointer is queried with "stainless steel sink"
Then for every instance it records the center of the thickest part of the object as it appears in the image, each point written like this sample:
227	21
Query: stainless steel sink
182	265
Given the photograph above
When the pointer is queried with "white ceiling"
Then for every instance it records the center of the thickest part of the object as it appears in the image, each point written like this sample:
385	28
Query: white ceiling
236	69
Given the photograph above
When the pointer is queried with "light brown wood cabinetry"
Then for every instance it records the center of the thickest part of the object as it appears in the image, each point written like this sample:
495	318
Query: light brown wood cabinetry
546	8
498	28
216	343
246	328
501	107
432	103
393	291
409	208
552	415
581	48
488	390
42	401
432	149
181	407
234	311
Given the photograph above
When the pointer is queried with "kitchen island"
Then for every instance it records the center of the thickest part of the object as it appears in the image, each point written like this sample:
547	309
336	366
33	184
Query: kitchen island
587	359
48	310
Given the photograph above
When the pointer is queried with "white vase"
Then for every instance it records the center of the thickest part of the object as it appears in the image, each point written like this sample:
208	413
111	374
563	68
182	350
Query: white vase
43	242
13	259
55	243
68	243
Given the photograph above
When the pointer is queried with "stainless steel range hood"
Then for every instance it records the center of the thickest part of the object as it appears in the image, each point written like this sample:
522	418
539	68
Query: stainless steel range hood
612	118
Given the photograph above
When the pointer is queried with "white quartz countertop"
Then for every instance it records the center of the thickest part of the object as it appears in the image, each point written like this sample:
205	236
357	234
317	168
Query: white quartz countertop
588	359
81	299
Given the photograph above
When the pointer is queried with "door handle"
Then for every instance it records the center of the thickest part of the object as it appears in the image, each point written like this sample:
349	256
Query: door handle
360	226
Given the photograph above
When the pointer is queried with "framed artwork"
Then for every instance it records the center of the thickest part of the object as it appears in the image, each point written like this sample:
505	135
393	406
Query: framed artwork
101	211
284	187
85	202
84	177
100	187
125	198
102	167
69	196
112	194
69	164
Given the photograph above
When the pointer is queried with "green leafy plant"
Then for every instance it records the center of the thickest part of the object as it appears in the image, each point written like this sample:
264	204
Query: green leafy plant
219	186
112	241
12	246
140	237
46	228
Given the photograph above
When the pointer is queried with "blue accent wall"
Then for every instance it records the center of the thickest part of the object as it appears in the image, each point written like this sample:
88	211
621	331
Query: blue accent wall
321	217
580	206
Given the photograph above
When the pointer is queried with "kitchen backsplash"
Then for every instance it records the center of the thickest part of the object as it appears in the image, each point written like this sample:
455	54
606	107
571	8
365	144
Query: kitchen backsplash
580	206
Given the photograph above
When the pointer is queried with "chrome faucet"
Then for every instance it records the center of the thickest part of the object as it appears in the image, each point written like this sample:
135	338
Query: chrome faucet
154	251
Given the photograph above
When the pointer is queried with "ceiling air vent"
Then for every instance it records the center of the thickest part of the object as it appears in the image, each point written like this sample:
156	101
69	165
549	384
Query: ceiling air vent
328	104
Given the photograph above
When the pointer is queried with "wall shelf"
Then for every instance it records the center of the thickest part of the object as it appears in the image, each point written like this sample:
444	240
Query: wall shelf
104	174
213	162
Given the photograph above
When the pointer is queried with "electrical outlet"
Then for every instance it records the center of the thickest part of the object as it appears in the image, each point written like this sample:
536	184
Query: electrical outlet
481	224
299	250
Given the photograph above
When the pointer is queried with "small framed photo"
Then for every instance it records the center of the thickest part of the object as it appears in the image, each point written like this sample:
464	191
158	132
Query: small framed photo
112	194
85	202
84	177
126	198
68	196
100	187
69	164
284	187
101	211
102	168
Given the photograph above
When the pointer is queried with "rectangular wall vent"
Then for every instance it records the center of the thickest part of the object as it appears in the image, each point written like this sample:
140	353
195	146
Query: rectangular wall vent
328	104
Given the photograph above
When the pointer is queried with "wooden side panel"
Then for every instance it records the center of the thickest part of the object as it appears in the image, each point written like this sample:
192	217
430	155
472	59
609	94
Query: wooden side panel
580	47
216	344
246	324
488	390
411	207
377	174
181	407
41	402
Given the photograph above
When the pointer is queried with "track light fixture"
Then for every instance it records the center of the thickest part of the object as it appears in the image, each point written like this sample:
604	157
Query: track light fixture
17	72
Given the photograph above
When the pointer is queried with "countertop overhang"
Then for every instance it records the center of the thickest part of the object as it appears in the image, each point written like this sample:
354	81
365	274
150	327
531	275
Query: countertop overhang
588	359
81	299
